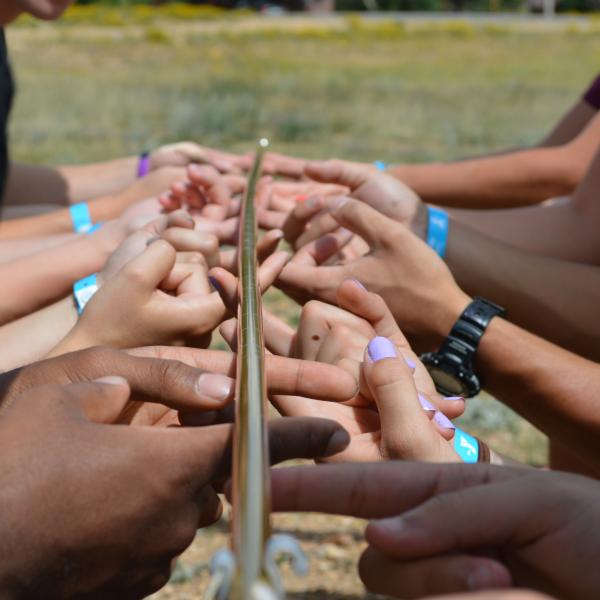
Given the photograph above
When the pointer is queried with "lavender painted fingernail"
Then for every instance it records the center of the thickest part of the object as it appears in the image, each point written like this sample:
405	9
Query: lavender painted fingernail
380	348
359	284
453	398
426	404
443	421
412	365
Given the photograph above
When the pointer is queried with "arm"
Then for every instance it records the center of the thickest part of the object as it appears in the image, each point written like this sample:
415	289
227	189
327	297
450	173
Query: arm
78	183
518	178
12	249
554	389
555	299
101	209
31	337
566	229
34	281
70	184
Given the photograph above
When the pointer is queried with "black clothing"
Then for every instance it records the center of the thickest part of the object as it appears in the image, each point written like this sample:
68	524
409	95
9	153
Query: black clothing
6	96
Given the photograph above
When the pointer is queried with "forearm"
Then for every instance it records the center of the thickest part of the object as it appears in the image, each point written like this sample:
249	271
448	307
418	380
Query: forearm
18	248
34	184
559	230
552	388
30	338
33	282
86	182
515	179
555	299
60	221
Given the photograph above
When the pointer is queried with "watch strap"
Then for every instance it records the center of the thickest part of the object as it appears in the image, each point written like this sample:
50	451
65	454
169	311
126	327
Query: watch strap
467	332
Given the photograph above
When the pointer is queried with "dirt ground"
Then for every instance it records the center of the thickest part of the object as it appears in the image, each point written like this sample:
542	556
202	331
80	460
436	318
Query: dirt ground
333	545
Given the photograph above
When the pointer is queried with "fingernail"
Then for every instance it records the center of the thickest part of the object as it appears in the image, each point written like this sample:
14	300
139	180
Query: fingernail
483	577
359	284
412	365
380	348
338	202
453	398
443	421
152	239
426	404
112	380
337	442
214	386
216	285
190	218
390	524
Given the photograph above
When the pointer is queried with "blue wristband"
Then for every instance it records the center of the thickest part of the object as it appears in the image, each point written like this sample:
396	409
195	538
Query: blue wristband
466	446
380	165
80	215
83	290
94	227
437	229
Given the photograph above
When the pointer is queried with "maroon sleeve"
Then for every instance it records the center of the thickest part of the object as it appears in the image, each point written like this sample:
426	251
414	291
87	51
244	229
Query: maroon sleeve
592	94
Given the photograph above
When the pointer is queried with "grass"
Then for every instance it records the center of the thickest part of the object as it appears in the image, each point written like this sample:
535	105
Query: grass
346	88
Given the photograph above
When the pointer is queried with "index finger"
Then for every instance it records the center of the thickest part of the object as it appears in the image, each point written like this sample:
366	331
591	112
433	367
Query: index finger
288	376
375	490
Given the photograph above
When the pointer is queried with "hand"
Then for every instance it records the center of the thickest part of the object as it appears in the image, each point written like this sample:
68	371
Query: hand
177	228
151	186
382	192
458	528
181	154
141	492
153	299
414	282
207	191
390	421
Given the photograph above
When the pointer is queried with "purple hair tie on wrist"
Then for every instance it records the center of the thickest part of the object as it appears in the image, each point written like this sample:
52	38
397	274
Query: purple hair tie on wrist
144	165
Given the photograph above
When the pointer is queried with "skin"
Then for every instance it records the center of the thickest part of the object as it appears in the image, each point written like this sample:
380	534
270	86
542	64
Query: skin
508	179
101	209
538	294
152	515
189	379
44	277
508	526
79	183
532	376
50	324
385	419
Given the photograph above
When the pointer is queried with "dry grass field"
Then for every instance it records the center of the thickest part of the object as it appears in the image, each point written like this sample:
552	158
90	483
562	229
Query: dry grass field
106	84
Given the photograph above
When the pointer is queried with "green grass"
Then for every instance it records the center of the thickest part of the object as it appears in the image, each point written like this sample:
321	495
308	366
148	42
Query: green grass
384	91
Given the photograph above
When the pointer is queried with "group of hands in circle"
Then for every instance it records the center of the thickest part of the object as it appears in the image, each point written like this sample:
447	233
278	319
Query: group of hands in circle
352	392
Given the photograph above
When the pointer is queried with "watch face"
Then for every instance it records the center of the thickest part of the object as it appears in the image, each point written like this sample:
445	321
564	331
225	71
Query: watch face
448	382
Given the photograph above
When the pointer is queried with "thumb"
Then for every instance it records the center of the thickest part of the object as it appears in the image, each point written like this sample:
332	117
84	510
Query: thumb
427	529
341	172
369	224
152	266
405	428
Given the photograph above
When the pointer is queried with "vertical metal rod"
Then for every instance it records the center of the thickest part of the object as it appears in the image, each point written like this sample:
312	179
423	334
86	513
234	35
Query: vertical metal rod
251	499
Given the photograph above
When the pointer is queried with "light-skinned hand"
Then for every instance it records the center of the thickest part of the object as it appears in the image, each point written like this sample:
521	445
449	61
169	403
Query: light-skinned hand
411	278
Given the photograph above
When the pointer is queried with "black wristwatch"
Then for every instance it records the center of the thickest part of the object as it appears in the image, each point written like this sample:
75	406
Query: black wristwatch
451	367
